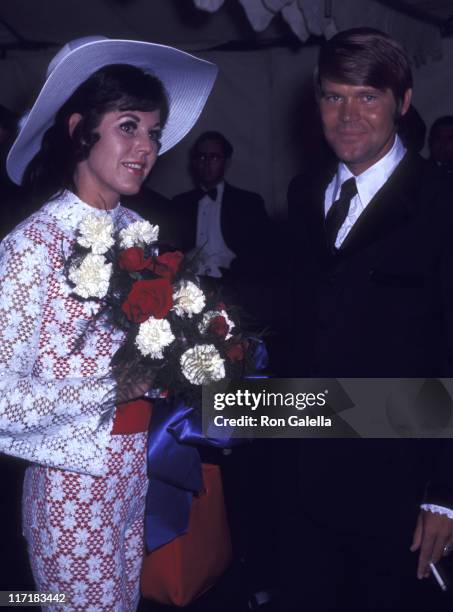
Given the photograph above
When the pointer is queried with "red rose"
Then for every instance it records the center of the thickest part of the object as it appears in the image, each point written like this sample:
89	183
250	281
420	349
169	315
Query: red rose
148	298
133	260
219	327
166	265
235	351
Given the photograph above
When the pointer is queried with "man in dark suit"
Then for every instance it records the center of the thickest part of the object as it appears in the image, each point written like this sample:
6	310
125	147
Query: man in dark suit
154	207
373	297
228	226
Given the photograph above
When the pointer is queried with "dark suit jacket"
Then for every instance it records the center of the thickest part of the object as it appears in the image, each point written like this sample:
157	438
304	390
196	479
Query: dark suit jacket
244	223
154	207
382	306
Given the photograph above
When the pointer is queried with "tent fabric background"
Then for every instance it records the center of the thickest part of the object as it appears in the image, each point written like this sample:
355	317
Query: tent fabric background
179	23
262	101
324	18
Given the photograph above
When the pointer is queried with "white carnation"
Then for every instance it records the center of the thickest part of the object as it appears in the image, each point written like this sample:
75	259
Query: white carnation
153	336
138	233
96	233
91	277
188	299
202	364
211	314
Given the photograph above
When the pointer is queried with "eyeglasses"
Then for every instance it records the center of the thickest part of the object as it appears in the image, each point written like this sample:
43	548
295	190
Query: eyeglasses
204	157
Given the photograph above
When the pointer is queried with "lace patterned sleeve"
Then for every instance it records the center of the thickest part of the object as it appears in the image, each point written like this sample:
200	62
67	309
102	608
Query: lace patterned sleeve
46	419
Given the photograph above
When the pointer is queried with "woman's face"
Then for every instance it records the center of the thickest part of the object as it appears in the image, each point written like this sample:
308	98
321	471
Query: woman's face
121	159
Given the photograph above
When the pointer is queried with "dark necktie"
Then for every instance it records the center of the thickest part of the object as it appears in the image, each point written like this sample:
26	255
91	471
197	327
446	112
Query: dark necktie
212	193
339	211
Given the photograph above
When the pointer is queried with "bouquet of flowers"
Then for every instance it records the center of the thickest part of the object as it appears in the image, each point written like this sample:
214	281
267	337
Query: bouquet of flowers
181	336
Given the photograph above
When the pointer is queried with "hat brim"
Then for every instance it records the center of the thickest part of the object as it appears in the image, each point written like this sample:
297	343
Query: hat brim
188	82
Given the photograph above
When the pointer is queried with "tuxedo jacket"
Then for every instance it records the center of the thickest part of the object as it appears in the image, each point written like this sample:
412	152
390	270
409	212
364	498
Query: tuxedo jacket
381	306
244	223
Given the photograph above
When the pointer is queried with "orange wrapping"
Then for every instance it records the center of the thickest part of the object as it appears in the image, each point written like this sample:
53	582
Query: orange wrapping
184	569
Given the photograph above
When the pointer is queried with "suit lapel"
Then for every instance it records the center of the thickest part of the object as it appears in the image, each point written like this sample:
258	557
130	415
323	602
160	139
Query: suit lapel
316	210
391	207
190	217
230	215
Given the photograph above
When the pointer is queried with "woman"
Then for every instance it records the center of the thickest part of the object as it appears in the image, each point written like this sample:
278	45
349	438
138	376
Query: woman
93	135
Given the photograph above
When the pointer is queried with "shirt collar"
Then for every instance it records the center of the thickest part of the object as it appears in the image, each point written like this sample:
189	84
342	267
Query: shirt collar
220	189
369	182
69	209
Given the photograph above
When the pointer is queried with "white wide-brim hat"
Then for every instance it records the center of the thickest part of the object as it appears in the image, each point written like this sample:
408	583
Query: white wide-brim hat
188	81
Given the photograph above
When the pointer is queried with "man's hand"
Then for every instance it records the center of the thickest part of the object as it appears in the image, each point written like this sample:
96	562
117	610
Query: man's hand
432	534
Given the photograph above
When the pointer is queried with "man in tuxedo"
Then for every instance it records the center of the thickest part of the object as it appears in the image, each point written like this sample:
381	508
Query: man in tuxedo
228	227
229	230
373	297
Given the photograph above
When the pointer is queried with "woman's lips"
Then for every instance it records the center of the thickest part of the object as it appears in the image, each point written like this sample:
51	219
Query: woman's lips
135	168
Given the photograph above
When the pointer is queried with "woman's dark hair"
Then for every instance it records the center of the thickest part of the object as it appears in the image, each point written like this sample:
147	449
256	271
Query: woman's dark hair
115	87
364	56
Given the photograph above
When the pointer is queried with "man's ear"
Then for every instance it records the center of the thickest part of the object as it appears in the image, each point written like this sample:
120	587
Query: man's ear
73	122
406	102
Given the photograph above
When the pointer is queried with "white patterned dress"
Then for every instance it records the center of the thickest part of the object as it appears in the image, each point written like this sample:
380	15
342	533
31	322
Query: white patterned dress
84	494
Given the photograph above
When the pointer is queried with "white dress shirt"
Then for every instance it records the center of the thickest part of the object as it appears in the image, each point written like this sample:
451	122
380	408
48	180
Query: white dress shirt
213	251
368	184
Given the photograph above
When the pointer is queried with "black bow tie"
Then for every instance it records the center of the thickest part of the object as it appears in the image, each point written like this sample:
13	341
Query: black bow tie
212	193
339	211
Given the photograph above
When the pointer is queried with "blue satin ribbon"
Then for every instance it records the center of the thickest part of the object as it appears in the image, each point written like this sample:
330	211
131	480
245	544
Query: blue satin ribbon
259	357
174	470
174	464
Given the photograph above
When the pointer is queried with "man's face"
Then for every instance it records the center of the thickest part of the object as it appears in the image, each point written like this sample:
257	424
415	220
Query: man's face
209	163
441	144
359	122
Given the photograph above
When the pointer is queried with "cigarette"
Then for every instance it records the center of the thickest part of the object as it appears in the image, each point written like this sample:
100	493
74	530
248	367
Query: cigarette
438	577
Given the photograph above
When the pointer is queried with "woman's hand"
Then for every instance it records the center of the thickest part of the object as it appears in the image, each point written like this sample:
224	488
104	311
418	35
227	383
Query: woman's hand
132	383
